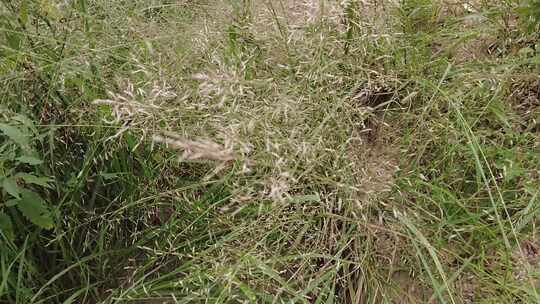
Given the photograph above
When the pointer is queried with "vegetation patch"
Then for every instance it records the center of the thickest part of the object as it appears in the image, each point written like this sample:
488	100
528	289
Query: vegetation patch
269	151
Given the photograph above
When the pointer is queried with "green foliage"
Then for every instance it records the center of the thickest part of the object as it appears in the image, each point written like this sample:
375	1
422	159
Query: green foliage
531	11
418	15
19	162
33	207
361	150
6	226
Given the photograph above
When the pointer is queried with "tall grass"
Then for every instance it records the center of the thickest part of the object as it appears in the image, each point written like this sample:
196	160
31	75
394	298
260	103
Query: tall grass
268	151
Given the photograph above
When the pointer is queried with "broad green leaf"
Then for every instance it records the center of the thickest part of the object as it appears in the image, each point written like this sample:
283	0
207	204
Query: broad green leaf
30	160
15	134
43	181
34	208
6	227
10	185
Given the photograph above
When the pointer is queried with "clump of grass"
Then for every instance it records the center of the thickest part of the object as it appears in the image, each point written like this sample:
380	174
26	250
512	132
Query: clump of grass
328	152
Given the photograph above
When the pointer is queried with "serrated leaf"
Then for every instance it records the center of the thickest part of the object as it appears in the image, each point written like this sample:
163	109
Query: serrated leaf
32	179
10	185
6	227
30	160
15	134
34	208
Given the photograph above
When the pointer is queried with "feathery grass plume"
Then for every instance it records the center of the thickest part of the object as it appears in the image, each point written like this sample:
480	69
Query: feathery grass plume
128	111
200	149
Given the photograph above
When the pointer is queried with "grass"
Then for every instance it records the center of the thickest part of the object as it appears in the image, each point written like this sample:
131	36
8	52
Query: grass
269	151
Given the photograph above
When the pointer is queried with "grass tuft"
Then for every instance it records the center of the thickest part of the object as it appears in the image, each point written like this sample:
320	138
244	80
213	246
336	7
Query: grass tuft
283	151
